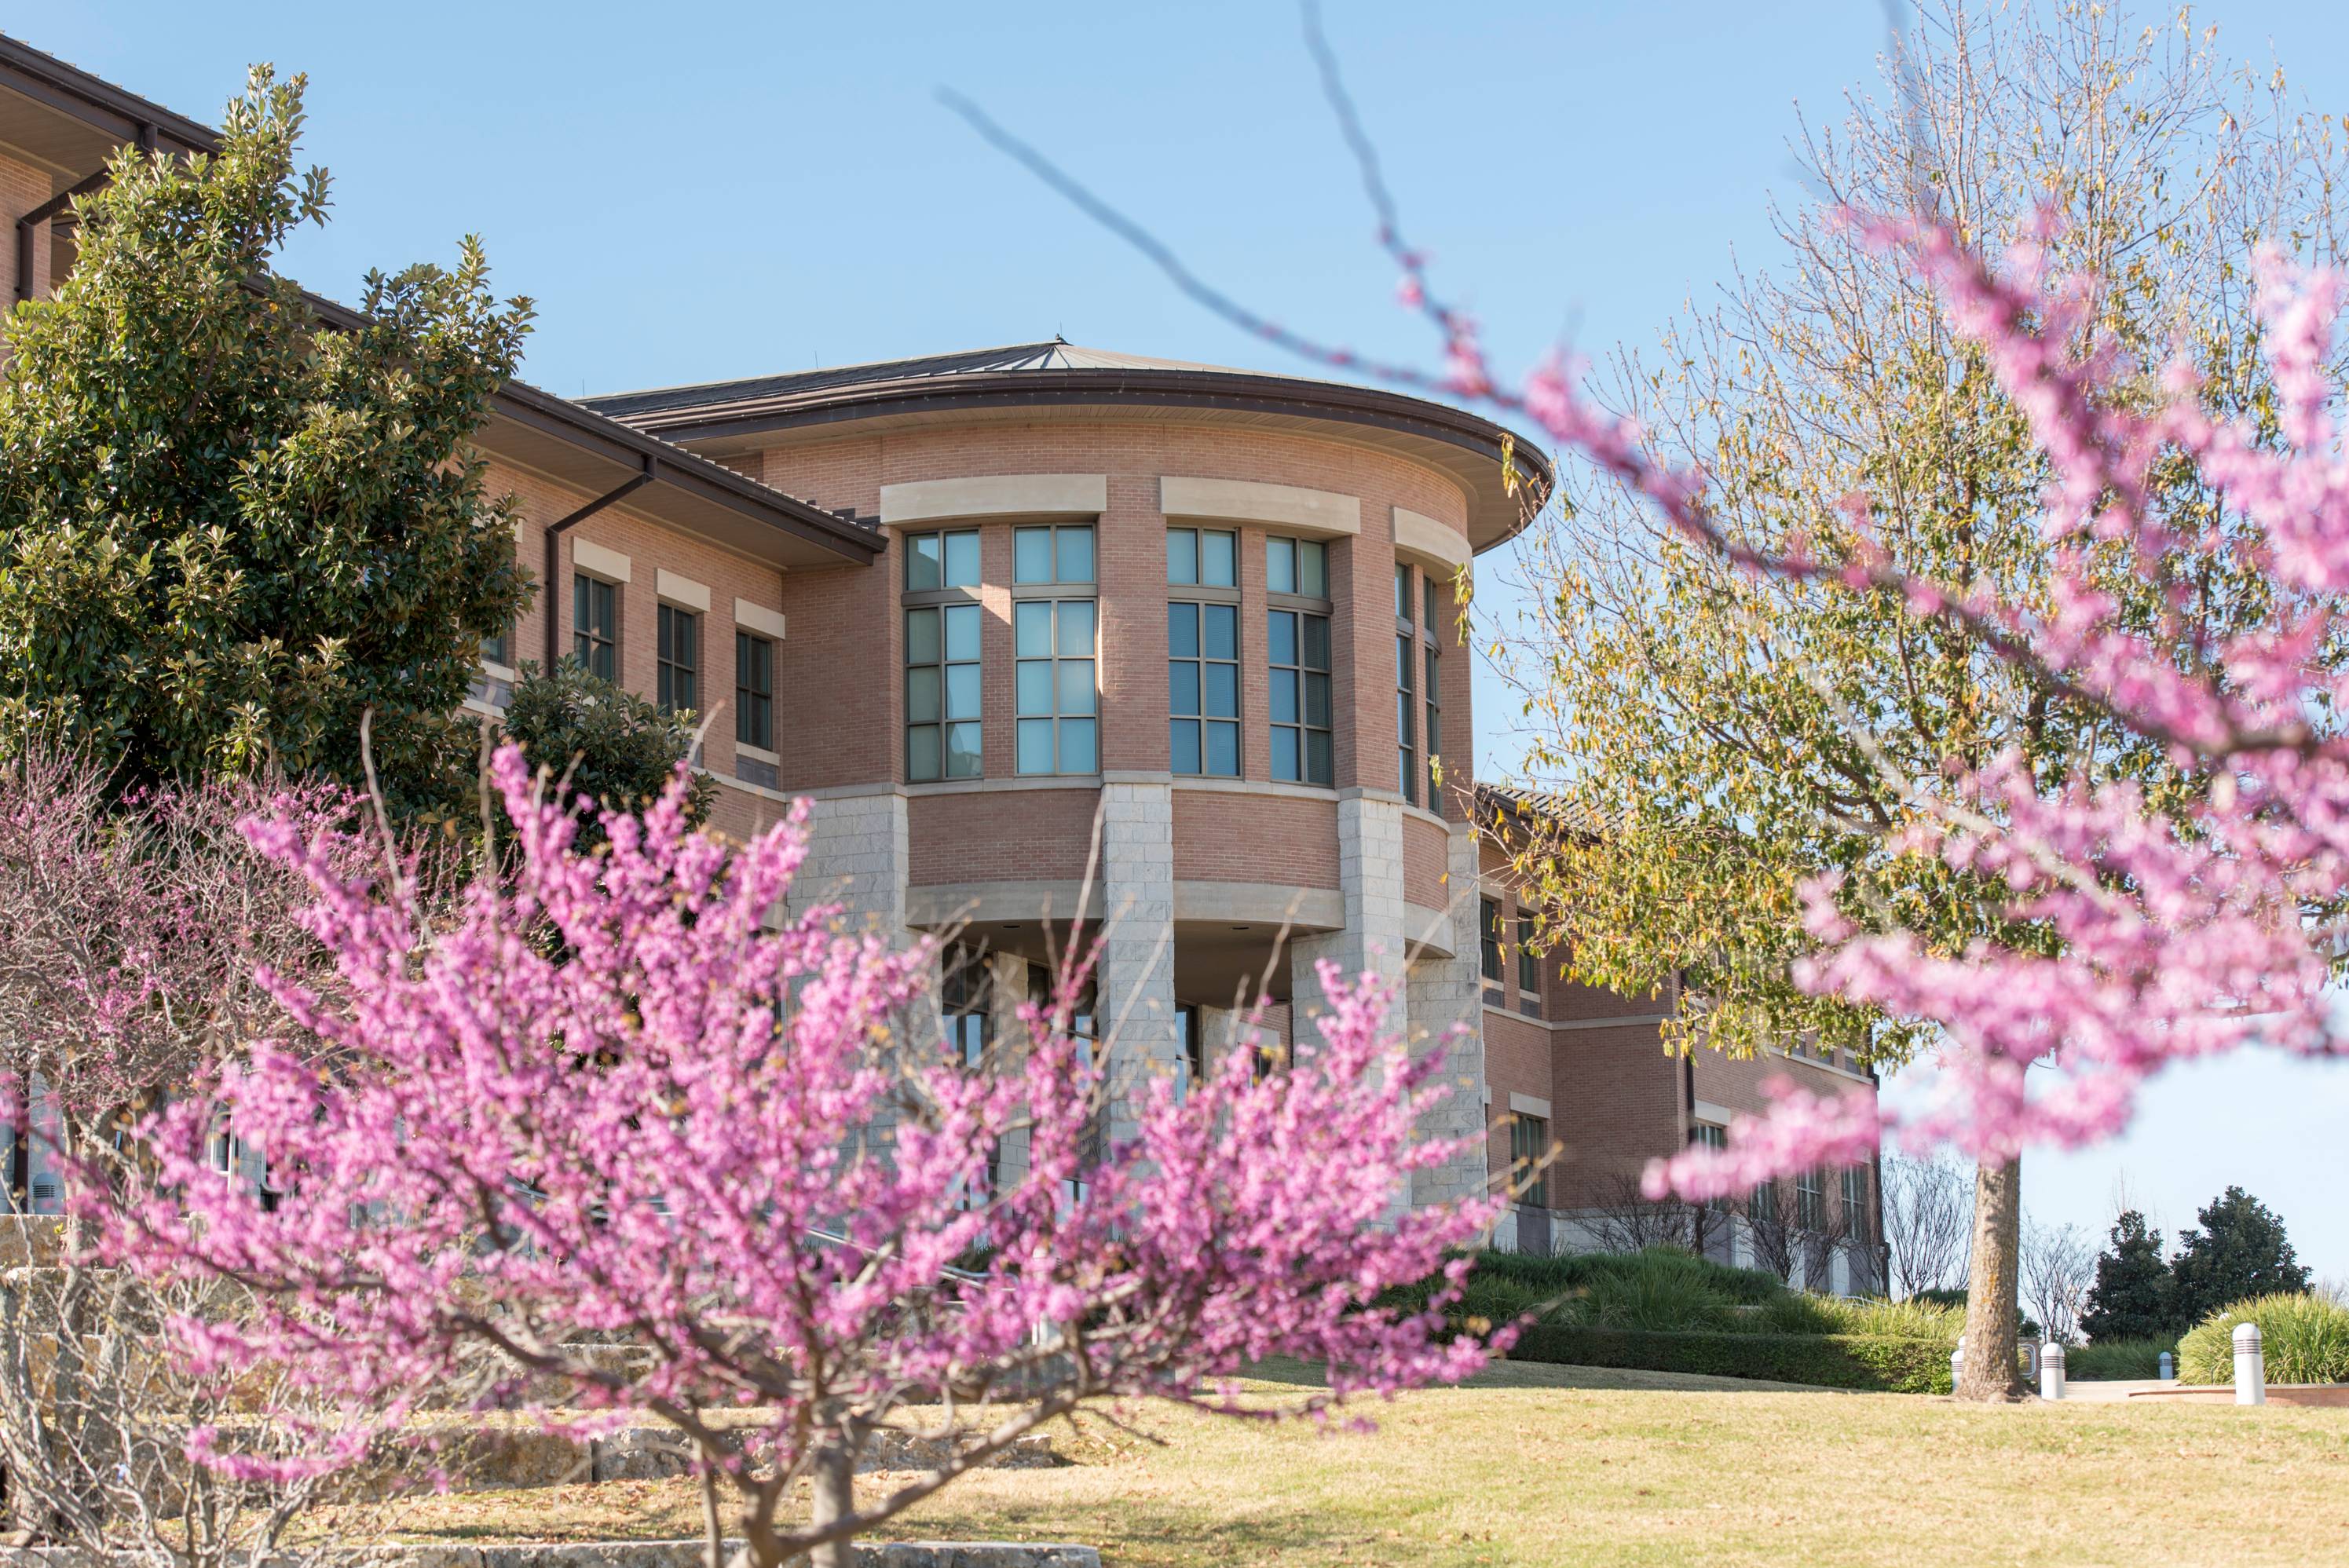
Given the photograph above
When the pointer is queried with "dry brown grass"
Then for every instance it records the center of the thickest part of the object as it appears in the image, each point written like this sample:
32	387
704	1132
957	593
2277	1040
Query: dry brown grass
1557	1466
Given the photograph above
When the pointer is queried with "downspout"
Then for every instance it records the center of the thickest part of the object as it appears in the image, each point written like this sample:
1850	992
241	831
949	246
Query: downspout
28	225
554	533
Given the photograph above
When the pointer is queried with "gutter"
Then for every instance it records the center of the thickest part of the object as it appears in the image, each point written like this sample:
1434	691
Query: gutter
27	237
555	532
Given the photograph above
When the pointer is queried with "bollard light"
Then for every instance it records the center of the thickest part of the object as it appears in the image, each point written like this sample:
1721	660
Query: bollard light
2250	1366
2050	1371
2168	1367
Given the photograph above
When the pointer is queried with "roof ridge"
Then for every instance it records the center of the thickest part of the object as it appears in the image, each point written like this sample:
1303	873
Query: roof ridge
1038	348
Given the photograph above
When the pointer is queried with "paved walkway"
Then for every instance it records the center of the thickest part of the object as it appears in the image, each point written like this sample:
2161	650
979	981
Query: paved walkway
2112	1392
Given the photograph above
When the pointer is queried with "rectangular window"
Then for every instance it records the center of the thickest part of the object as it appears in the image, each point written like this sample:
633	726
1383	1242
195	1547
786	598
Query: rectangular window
1300	566
1406	720
1052	554
962	1002
1488	917
1202	558
1528	1147
1528	960
1403	594
596	626
676	676
498	649
1427	591
1855	1202
1202	678
1810	1200
754	691
1296	653
936	560
1057	688
942	692
1709	1134
1434	727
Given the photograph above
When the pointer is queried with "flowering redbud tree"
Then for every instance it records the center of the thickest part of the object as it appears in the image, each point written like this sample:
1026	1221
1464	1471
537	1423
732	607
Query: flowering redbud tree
611	1139
2148	933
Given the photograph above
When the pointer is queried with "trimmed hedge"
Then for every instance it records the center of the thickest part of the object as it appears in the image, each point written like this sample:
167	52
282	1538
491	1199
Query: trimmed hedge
1873	1362
2112	1360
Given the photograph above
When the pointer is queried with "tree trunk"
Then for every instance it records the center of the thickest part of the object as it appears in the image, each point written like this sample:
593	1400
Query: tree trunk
834	1477
1989	1371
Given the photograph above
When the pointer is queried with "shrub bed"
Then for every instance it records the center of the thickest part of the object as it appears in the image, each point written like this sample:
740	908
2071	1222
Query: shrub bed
2113	1360
2305	1338
1875	1362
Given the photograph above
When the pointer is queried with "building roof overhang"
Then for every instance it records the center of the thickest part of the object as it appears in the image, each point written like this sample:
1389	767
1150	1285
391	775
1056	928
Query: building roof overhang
1506	480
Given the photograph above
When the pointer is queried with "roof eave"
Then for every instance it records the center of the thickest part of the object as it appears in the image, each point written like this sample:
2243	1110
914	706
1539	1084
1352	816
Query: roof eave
1241	391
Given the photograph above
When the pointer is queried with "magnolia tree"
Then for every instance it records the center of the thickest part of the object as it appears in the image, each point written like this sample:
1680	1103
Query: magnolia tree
610	1139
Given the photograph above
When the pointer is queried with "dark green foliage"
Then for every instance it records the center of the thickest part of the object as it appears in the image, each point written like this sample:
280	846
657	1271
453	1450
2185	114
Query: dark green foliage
2239	1251
2133	1296
619	750
226	533
1882	1363
1748	1287
2115	1360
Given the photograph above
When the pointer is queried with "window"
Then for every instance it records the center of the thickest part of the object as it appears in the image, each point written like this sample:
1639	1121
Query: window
1714	1137
754	691
1056	681
1488	913
596	626
942	692
497	648
1298	654
1202	558
1300	566
1810	1200
1194	1049
936	560
1052	554
1406	724
1528	1148
1435	725
1855	1202
1528	960
962	1004
1202	678
1403	593
676	686
1427	593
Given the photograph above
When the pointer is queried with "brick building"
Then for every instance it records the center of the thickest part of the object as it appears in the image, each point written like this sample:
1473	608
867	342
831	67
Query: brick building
1007	615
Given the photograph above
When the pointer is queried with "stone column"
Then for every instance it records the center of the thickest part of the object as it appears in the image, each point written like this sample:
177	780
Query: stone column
1007	1048
1446	995
1136	975
1369	878
859	849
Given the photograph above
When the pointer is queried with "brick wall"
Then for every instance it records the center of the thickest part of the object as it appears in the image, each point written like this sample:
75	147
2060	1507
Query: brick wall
1426	863
1225	836
1000	835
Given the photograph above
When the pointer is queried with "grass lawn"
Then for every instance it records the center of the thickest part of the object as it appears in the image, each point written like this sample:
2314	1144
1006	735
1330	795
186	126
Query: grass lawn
1549	1465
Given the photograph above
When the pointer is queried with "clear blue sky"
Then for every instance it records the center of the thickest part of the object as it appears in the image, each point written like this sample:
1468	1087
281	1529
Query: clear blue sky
693	192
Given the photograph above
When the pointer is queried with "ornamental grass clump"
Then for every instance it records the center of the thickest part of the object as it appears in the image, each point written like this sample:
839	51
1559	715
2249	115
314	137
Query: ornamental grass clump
2304	1337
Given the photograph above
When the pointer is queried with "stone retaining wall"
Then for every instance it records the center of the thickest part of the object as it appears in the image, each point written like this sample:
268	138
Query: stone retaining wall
615	1554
